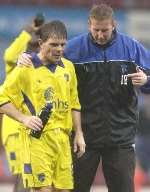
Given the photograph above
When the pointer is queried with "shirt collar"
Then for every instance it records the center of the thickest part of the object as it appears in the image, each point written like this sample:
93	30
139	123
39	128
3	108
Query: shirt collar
52	67
38	63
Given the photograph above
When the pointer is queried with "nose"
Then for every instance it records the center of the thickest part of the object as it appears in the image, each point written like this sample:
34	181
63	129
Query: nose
60	48
100	35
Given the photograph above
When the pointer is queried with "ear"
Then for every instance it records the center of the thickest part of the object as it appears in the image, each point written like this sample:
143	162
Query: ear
114	24
89	23
40	42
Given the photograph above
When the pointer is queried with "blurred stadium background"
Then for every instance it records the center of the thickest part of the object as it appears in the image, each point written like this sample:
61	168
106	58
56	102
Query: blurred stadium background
132	16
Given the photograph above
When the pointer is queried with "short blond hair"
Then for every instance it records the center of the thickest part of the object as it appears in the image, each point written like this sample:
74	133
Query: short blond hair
101	12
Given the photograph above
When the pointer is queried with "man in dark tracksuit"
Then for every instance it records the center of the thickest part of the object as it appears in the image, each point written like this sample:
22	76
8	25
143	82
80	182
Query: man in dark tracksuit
106	65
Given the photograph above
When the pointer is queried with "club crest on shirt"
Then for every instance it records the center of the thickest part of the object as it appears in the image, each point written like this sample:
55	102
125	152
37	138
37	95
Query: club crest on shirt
124	69
49	94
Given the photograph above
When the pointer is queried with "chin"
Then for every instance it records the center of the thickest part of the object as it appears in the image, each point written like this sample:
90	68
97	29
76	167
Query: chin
58	59
102	42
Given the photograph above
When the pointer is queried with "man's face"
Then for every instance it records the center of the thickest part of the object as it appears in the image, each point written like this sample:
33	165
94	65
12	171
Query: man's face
52	49
101	30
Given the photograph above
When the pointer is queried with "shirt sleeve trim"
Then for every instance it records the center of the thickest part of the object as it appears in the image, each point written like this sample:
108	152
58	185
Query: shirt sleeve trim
73	109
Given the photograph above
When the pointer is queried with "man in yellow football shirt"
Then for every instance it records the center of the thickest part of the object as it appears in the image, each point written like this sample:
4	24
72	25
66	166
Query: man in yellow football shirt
48	163
27	40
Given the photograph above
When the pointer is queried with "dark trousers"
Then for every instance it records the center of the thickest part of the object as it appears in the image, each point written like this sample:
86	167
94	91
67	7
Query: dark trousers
118	165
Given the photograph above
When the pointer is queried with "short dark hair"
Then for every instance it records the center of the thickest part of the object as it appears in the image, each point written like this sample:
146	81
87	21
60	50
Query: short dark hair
101	12
53	29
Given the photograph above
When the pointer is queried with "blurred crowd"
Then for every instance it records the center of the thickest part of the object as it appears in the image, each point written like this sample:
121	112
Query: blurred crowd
123	4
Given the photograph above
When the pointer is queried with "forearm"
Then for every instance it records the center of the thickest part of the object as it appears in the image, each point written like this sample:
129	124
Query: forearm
10	110
79	143
76	116
31	122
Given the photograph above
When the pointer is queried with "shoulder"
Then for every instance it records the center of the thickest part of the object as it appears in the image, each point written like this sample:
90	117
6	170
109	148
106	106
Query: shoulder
126	38
69	66
75	46
76	43
22	73
67	63
78	38
128	43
